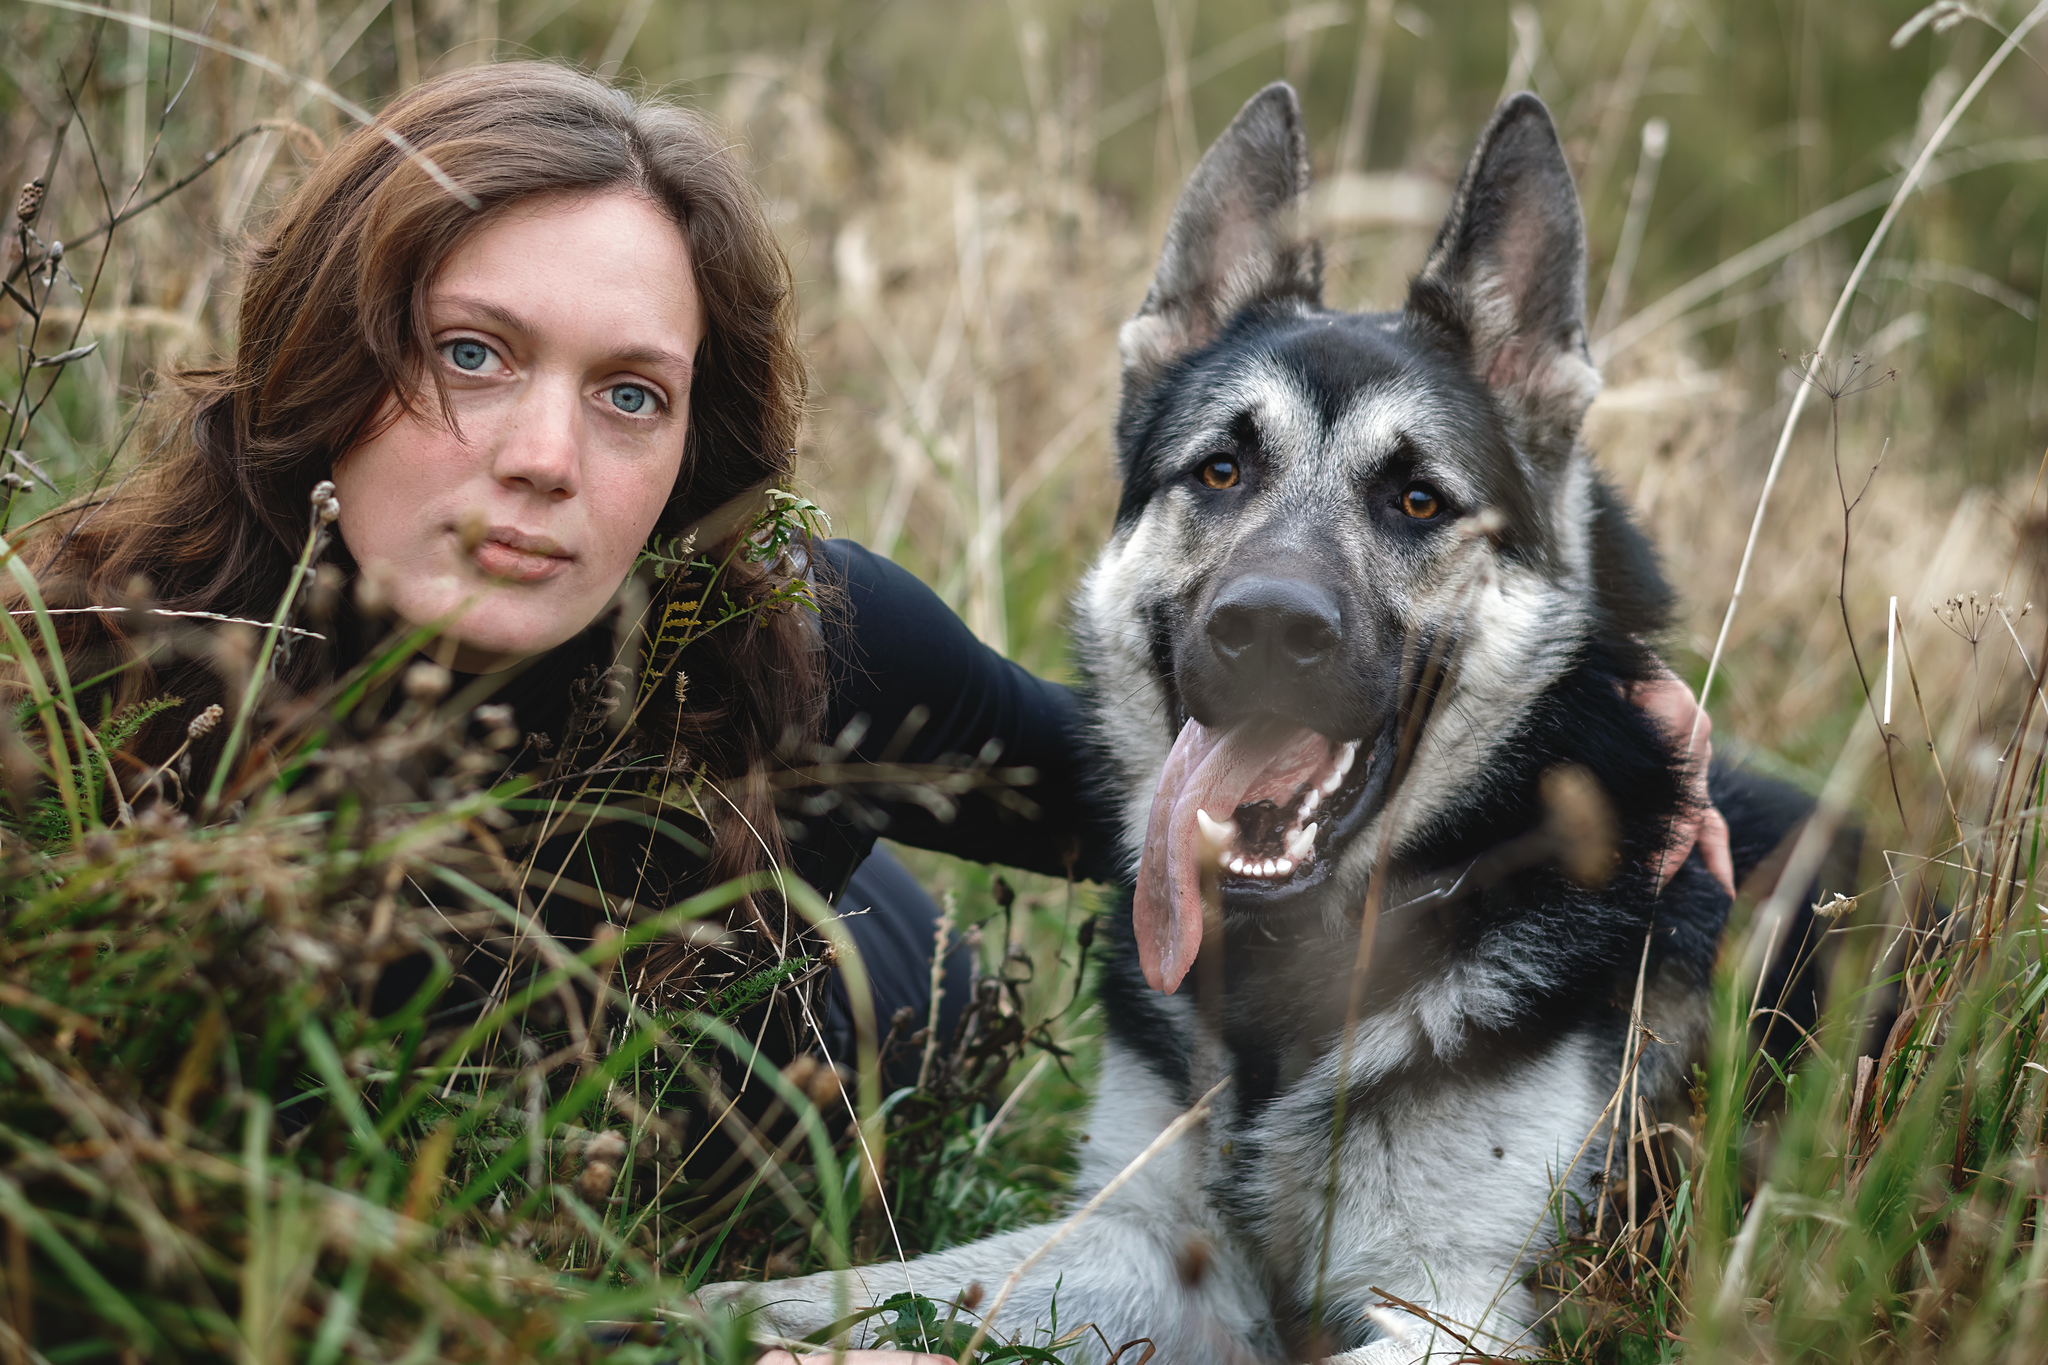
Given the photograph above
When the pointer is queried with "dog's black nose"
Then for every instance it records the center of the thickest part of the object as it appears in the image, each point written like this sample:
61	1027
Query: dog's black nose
1278	626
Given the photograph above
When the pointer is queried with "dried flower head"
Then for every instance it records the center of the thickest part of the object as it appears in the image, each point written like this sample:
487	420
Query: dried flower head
682	687
425	682
203	723
30	203
1835	907
496	722
325	507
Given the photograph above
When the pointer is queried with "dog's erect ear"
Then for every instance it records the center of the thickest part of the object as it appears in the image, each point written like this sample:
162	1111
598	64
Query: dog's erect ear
1239	235
1507	276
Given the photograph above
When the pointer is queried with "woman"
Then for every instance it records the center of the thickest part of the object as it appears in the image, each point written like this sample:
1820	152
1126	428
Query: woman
514	397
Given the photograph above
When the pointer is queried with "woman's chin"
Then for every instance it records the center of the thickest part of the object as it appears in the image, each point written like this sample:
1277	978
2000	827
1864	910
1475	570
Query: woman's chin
488	641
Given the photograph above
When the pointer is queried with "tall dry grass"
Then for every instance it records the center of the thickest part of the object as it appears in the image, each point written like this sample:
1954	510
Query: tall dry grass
973	196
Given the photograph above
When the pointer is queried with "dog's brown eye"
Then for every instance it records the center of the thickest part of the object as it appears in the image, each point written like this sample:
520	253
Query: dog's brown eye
1420	503
1220	473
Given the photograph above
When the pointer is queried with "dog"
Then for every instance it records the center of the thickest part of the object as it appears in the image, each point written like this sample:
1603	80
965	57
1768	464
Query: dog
1358	656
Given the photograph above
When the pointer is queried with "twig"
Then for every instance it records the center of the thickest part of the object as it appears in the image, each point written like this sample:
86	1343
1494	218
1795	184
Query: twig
167	611
206	164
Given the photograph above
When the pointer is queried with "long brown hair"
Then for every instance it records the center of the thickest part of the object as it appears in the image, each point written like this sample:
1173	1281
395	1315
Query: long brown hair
332	326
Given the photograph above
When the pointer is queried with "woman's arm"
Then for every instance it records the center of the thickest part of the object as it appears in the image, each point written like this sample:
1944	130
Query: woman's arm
922	691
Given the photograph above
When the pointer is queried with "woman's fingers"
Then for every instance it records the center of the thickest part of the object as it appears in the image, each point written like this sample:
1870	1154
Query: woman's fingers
1714	848
1679	713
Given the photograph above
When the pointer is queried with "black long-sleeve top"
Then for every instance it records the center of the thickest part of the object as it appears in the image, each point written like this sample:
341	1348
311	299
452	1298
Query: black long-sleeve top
921	693
922	690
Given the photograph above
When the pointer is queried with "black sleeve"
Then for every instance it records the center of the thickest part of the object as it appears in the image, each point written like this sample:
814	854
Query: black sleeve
921	690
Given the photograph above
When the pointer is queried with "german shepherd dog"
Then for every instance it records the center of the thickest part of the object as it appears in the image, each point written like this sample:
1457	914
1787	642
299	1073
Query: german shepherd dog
1358	653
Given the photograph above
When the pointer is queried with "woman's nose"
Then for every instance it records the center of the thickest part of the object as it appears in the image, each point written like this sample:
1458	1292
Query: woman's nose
541	451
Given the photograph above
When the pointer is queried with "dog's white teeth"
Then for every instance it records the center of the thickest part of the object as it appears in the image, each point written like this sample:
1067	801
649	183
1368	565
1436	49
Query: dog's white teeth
1283	866
1346	756
1218	833
1235	862
1269	868
1301	843
1312	800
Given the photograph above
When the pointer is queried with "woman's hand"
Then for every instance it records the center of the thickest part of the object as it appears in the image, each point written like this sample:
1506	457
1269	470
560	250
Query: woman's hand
1673	705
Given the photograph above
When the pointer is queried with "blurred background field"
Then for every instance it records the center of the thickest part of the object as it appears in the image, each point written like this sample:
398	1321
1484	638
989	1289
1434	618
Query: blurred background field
972	192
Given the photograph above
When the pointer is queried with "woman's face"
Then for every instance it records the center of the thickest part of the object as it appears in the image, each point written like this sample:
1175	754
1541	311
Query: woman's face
564	332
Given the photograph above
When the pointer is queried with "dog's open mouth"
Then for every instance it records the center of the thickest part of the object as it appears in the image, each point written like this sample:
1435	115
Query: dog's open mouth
1254	811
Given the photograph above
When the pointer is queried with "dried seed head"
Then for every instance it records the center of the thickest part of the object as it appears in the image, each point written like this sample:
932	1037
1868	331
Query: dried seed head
801	1068
30	203
682	687
970	1298
425	682
325	506
596	1181
1192	1265
326	592
1836	907
203	723
828	1083
373	598
471	529
496	722
608	1146
1581	824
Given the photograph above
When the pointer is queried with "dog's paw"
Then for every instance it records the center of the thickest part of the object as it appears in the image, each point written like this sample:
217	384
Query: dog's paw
779	1311
1419	1347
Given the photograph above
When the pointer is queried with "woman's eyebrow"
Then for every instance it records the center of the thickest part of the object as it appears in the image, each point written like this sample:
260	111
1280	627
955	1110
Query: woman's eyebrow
486	310
656	357
503	317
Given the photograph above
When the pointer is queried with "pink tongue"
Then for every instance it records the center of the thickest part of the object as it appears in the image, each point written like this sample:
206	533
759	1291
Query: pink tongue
1216	772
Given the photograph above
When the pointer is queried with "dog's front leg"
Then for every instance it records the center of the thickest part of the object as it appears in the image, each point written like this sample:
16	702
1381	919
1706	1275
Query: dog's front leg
1410	1340
1120	1274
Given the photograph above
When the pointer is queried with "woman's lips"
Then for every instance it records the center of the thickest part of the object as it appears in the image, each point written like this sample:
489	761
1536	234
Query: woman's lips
507	553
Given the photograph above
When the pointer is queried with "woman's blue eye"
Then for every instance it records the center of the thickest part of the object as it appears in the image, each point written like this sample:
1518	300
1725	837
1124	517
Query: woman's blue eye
469	355
630	397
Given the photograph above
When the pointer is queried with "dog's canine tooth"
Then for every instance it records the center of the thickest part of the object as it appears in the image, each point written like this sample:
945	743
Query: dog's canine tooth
1301	843
1219	833
1345	757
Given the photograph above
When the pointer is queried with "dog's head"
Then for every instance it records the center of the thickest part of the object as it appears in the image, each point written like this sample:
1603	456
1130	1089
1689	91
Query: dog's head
1333	523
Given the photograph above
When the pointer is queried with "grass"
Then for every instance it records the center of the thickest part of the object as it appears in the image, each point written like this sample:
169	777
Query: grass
211	1147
